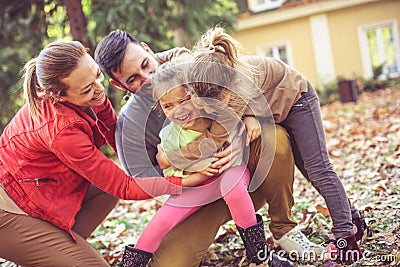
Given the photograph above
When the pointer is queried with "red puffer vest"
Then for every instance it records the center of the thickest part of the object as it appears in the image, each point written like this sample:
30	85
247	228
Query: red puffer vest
46	166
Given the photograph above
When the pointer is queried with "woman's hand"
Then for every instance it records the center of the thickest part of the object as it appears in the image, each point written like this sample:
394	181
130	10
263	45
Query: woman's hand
253	129
162	158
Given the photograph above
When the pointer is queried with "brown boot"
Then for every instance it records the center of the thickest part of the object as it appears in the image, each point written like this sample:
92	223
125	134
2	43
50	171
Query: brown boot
362	229
344	250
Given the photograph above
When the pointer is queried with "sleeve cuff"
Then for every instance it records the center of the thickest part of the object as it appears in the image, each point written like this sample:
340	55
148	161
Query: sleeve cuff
176	187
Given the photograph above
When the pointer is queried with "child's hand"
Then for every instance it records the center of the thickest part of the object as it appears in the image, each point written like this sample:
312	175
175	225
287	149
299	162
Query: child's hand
162	158
253	129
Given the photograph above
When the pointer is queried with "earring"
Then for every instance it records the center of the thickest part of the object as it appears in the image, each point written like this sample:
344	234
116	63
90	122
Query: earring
126	96
55	97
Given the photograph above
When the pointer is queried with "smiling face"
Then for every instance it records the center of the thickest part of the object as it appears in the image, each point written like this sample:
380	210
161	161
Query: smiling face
179	109
136	68
85	84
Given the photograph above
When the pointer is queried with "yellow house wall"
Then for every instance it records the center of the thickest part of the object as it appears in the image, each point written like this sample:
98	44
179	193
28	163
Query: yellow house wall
296	32
344	24
343	27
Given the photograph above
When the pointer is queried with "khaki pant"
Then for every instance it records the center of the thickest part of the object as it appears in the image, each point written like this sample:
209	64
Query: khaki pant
30	242
33	242
187	243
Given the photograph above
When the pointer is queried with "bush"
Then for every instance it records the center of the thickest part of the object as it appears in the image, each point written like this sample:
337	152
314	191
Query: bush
329	93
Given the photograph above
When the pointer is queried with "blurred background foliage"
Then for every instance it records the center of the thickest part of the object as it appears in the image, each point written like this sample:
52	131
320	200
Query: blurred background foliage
26	26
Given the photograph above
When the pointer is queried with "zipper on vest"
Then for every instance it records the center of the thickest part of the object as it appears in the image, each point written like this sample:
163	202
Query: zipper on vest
36	180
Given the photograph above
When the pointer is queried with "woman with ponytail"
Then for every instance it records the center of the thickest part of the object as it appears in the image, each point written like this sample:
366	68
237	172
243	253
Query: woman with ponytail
271	90
56	186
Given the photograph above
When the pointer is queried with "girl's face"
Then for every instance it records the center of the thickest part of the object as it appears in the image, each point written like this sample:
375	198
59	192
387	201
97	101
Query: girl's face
85	84
178	108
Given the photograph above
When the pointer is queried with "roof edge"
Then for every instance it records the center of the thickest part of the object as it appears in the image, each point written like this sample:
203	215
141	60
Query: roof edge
282	15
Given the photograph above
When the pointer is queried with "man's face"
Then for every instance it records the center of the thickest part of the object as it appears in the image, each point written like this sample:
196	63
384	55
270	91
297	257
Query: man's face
137	67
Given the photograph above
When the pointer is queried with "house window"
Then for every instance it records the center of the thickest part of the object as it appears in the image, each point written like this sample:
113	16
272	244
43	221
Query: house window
262	5
276	51
380	46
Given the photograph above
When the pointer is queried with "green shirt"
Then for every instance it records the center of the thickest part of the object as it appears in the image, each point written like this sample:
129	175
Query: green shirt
173	137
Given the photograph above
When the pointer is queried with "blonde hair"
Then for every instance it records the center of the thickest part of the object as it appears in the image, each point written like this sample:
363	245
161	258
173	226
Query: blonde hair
42	75
214	70
170	75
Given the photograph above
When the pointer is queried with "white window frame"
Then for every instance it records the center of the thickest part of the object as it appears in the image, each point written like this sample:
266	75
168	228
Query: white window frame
365	57
255	7
275	46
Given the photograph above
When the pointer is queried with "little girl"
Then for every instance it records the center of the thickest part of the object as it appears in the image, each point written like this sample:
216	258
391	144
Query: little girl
187	123
218	70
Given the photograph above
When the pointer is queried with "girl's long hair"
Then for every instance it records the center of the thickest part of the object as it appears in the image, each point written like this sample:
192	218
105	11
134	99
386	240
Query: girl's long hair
217	71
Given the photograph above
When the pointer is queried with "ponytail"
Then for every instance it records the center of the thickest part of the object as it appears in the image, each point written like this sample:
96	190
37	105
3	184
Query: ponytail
217	71
31	87
217	41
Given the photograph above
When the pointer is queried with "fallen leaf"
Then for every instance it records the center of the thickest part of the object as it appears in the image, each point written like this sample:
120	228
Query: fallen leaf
323	210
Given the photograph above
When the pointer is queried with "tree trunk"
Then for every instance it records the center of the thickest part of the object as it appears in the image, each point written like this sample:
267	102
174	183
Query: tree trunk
77	22
181	37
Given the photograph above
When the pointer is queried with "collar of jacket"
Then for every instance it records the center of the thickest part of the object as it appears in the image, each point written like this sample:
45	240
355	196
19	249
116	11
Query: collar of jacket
88	114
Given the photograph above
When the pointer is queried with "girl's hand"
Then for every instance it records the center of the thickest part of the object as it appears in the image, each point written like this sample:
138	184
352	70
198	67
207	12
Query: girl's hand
253	129
162	158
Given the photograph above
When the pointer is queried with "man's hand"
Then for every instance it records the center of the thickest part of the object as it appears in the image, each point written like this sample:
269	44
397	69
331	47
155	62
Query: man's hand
162	158
253	129
210	171
225	159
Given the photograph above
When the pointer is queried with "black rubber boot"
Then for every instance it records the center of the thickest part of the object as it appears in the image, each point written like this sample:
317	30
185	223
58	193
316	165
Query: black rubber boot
257	250
135	257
